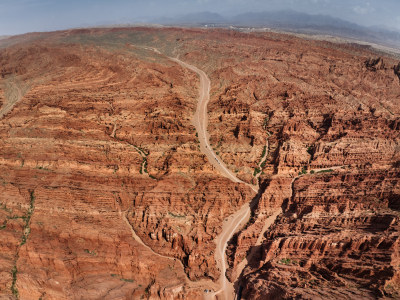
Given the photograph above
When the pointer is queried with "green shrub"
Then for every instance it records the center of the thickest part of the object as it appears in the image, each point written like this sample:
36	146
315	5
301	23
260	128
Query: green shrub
285	261
264	151
14	289
303	171
265	123
310	150
93	253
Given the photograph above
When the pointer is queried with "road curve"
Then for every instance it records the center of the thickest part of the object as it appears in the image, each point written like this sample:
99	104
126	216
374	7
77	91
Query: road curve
200	121
231	225
239	218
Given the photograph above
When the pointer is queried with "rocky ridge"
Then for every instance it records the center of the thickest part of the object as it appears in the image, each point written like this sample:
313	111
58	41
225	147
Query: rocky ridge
104	130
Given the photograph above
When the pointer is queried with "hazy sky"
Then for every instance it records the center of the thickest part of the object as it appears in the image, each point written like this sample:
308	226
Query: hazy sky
19	16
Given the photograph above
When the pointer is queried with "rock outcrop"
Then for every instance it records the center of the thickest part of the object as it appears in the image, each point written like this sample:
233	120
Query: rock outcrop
374	64
332	166
397	70
104	192
101	134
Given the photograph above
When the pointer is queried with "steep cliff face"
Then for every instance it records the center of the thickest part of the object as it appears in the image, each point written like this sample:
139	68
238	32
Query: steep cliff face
397	70
100	136
327	118
332	166
338	237
104	192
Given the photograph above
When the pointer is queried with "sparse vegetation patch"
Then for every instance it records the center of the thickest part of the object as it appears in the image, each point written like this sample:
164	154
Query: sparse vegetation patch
325	171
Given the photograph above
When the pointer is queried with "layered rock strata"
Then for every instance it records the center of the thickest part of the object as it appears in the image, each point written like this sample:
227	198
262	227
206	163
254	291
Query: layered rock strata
105	194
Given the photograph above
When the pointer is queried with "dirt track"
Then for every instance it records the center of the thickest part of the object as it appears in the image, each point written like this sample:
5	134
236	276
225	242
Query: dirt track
236	220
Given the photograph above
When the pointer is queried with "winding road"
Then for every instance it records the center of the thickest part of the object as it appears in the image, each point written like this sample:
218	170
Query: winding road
200	121
232	224
238	219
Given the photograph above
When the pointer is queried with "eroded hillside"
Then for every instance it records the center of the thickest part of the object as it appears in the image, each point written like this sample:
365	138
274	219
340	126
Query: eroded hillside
106	194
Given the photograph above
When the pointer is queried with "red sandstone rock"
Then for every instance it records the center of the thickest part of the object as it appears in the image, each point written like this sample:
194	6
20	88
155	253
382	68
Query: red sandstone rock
92	112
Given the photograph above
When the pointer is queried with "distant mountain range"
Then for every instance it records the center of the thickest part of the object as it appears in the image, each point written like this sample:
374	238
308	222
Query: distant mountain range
290	21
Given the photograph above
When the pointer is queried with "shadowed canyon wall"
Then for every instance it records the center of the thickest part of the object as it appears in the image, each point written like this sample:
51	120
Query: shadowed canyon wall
97	146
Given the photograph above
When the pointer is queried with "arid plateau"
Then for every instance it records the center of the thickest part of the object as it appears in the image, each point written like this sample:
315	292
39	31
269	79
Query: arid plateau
173	163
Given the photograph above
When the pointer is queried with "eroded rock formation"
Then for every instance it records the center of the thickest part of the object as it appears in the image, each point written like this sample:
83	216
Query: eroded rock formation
99	147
